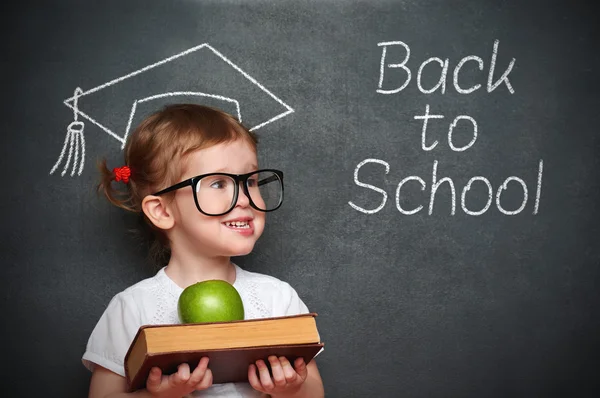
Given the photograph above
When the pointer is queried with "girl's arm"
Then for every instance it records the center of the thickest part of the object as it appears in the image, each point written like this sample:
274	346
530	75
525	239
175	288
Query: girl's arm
107	384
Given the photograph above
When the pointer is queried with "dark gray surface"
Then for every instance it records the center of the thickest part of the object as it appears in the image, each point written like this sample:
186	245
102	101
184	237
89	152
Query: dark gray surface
425	305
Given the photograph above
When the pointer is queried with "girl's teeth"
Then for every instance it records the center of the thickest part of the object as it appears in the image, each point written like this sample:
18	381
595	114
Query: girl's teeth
238	224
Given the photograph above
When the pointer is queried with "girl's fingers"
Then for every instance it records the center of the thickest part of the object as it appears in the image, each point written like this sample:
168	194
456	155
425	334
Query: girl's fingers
198	374
288	371
277	371
253	378
154	380
264	375
300	367
206	381
182	375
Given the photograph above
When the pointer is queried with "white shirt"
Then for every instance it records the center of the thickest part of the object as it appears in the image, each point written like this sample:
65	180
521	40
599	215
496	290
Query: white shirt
153	301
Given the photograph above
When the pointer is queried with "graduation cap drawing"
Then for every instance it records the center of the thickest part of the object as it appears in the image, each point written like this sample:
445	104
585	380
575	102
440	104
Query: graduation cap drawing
200	74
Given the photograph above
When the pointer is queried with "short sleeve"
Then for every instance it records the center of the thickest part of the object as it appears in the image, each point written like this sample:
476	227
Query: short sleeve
295	305
112	335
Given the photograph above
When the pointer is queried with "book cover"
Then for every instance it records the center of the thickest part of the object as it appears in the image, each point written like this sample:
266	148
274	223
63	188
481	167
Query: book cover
227	364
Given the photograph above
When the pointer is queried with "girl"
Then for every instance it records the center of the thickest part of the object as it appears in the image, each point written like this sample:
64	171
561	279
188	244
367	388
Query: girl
192	171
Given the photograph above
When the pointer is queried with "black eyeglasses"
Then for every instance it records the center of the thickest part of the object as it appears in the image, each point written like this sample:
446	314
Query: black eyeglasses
216	194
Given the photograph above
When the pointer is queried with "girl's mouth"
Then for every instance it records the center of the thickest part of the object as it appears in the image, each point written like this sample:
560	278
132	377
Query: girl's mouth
237	224
243	226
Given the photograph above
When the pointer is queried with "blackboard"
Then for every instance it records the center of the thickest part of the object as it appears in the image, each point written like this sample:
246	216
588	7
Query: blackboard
488	291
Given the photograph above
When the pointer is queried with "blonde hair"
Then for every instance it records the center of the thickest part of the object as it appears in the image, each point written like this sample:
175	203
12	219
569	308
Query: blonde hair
156	150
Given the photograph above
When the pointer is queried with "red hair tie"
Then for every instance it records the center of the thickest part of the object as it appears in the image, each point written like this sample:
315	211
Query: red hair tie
122	173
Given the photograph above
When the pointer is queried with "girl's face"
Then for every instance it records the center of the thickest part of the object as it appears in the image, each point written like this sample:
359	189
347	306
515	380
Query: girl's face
232	234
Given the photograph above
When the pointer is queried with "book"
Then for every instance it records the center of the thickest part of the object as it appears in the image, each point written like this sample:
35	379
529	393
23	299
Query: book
230	346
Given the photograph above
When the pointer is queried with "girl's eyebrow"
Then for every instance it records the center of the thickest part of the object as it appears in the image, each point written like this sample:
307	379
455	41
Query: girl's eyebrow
252	167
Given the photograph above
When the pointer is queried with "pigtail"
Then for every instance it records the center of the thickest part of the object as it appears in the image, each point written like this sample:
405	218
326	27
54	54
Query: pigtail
120	198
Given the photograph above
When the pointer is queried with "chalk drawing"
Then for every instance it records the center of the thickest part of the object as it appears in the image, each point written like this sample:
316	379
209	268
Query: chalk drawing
174	94
539	187
467	188
374	188
503	187
444	64
435	184
441	82
404	181
457	70
453	125
75	140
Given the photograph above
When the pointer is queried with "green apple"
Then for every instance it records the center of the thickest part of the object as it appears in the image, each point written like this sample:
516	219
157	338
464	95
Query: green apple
210	301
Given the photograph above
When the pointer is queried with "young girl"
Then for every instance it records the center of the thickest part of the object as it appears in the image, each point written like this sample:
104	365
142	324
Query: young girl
192	171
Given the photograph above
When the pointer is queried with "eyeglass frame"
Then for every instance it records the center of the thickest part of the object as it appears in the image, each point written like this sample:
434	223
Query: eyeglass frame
238	178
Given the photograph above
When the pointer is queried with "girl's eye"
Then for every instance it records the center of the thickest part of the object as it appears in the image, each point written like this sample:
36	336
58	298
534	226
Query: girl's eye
218	184
252	182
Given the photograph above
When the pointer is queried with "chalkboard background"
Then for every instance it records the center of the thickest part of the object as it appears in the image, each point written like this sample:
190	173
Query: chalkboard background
432	304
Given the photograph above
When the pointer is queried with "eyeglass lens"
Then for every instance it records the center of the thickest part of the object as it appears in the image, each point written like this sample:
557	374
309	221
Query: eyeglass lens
216	193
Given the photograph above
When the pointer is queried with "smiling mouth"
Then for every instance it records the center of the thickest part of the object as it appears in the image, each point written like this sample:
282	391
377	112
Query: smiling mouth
237	224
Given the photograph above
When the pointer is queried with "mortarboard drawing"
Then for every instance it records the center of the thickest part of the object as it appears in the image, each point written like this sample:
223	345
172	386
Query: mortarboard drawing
204	76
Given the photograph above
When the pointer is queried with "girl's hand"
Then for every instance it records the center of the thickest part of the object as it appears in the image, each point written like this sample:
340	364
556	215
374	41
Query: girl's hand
181	383
286	379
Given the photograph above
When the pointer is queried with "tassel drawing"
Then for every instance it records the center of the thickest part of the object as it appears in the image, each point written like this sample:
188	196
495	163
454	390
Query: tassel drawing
74	141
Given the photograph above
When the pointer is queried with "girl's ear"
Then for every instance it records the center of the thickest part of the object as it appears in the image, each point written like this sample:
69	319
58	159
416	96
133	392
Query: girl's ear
154	207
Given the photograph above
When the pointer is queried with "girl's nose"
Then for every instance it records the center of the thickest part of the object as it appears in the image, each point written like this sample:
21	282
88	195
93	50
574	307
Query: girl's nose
242	199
